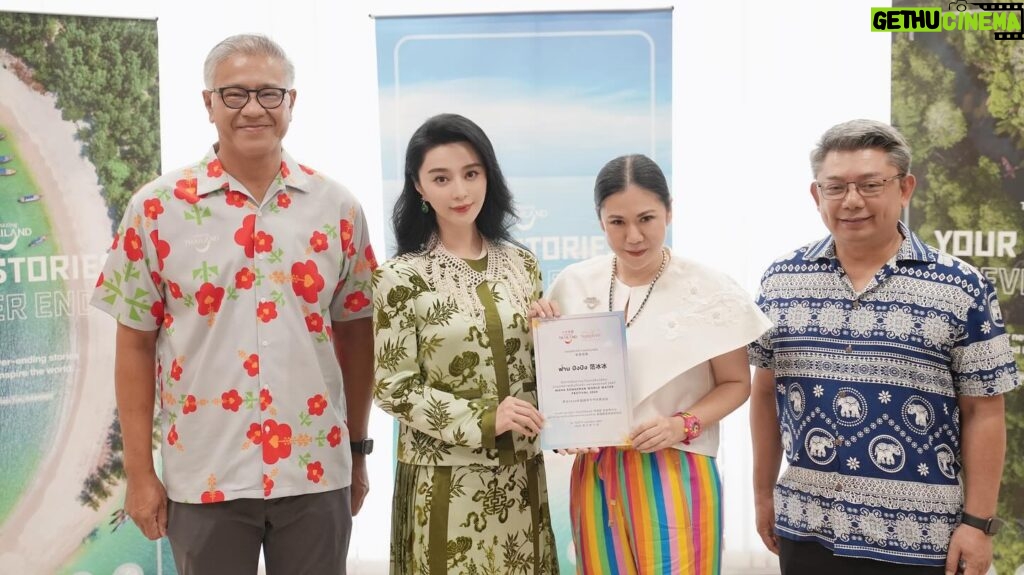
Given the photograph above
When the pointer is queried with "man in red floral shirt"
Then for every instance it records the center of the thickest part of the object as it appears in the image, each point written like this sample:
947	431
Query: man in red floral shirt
238	282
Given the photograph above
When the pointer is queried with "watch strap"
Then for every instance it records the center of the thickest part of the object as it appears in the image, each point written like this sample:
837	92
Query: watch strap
988	526
363	446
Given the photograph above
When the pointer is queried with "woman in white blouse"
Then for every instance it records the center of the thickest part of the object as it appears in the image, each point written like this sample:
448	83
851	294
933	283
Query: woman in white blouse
655	507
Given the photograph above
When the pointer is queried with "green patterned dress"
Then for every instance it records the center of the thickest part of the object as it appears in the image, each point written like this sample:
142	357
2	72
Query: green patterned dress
451	340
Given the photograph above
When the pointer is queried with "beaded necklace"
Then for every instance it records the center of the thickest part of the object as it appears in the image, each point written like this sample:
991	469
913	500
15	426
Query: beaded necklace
611	286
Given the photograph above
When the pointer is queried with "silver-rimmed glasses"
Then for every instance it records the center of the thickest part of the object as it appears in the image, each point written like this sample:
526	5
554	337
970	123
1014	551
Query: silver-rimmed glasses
867	188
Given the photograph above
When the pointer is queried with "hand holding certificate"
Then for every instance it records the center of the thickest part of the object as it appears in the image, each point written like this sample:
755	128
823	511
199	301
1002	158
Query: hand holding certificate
582	387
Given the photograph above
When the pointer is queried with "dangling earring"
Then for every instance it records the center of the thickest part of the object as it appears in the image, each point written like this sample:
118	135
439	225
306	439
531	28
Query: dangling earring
424	206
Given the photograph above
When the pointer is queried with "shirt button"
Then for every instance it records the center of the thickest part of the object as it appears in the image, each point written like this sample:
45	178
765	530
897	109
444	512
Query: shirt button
856	304
265	343
849	348
262	256
263	300
839	486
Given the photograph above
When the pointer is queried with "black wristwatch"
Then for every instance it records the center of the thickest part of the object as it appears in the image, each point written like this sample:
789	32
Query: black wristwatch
989	526
363	446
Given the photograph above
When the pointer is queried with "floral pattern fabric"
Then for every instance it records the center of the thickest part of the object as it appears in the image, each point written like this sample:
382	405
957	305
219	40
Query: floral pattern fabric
866	391
466	501
243	295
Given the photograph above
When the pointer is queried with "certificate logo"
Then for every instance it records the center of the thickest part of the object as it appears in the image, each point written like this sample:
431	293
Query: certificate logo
567	336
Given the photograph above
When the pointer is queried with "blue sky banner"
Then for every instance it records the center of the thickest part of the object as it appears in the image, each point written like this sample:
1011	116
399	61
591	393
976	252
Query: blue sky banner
559	94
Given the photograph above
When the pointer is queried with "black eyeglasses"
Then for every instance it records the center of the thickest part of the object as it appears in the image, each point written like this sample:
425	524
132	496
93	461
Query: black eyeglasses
866	188
237	98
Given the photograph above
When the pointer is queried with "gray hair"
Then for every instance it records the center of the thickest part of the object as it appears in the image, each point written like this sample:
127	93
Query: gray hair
859	135
250	45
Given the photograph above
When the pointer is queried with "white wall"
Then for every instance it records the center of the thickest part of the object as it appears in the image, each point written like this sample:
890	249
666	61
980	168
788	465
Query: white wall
755	83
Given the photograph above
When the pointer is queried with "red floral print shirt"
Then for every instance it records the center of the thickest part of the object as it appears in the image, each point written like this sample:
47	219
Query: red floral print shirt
243	294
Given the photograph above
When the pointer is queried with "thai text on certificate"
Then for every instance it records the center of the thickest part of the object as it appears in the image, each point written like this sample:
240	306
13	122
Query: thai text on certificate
582	386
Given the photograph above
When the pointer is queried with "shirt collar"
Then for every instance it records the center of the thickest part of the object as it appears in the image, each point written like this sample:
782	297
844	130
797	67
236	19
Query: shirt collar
912	248
211	177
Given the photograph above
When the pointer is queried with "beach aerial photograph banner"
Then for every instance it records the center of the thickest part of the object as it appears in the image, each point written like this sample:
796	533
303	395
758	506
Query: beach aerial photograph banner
79	133
559	95
958	98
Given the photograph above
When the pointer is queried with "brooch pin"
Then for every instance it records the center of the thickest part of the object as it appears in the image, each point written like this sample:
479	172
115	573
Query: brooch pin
591	302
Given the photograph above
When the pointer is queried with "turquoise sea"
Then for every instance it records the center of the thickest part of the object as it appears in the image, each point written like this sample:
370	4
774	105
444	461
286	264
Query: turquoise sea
29	403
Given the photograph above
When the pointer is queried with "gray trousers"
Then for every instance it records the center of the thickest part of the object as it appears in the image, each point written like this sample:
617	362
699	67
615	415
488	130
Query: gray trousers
300	535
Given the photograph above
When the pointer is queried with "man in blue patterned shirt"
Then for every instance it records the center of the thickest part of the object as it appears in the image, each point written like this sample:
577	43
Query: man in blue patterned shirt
881	383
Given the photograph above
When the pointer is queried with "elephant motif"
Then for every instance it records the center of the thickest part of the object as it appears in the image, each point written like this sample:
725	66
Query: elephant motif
849	406
818	446
885	453
920	413
787	441
945	462
797	399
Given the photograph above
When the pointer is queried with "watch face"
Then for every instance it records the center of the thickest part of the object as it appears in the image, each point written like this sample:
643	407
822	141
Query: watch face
364	446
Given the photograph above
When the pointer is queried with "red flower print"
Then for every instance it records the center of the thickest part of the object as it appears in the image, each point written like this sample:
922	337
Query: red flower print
306	169
315	323
356	301
318	241
266	311
187	190
163	249
316	404
264	242
371	259
307	281
255	433
212	496
268	485
132	245
315	472
168	320
176	370
230	400
235	198
155	276
334	437
214	169
117	237
209	298
172	435
346	235
252	365
157	310
277	441
244	234
100	280
152	208
265	399
285	172
175	289
284	200
189	406
244	278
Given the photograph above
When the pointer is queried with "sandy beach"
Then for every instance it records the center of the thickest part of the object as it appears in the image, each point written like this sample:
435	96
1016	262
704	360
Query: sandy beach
48	523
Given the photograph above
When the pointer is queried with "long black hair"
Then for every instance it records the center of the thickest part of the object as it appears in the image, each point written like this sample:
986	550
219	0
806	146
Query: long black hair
412	227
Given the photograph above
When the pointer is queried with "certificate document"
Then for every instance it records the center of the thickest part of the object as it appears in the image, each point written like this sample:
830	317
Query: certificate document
581	380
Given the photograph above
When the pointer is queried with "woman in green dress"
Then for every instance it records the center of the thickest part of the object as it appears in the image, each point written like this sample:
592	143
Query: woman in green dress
454	366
